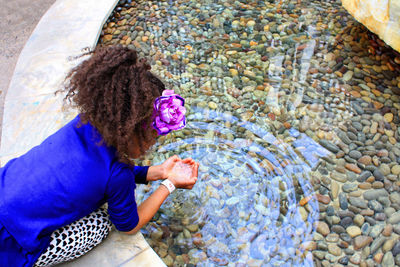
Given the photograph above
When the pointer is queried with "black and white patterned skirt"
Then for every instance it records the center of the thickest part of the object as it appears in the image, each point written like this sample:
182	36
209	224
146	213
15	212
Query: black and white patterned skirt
76	239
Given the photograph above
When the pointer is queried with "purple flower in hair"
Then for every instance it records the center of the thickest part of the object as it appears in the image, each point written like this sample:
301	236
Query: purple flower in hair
169	112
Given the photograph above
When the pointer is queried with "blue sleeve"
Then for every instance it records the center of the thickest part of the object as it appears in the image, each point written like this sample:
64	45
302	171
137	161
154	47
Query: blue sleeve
140	174
120	194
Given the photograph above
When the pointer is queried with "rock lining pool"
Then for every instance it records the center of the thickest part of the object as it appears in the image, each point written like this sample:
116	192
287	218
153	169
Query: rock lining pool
293	117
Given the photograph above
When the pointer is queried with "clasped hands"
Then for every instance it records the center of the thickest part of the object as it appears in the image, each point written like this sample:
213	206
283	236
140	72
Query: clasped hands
168	170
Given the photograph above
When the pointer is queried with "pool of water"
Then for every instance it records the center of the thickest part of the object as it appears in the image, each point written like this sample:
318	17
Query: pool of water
293	117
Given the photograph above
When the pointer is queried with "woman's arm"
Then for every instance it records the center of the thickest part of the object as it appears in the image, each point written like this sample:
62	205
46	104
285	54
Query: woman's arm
148	208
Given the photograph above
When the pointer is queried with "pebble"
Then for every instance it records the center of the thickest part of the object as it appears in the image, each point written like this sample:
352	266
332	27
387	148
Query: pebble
394	218
355	154
385	169
376	230
322	228
396	169
388	117
375	193
334	189
349	187
355	259
377	243
396	249
388	230
212	105
334	249
388	245
358	202
330	146
361	241
348	75
338	177
353	231
379	176
359	220
388	260
338	229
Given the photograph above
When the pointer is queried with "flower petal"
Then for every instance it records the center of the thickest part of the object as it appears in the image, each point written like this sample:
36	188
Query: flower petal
168	92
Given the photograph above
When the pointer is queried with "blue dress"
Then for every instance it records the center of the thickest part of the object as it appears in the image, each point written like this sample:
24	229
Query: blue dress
68	176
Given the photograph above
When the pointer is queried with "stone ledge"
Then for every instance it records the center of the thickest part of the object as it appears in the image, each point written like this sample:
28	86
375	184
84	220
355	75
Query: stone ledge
382	17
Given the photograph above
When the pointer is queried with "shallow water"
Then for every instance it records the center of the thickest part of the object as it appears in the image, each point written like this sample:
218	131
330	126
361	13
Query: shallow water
292	117
246	200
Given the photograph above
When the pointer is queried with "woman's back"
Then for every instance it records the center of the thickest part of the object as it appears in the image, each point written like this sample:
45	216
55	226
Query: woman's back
55	183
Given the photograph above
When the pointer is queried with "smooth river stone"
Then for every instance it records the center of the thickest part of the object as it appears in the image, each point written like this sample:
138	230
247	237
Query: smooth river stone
362	241
359	220
332	238
396	169
349	187
377	243
344	138
375	193
376	230
322	228
348	75
340	177
358	202
355	154
388	260
388	230
355	259
396	248
353	231
394	197
388	245
384	168
330	146
394	218
378	175
388	117
366	160
334	189
334	249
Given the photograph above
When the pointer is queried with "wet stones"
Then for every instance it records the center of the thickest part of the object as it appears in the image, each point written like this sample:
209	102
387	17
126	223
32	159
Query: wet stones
361	241
322	228
375	194
353	231
326	95
329	145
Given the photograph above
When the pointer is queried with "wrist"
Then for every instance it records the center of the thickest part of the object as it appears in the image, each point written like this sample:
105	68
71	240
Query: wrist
156	173
169	185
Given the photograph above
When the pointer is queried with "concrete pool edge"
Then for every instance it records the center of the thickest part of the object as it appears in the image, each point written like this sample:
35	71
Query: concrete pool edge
32	111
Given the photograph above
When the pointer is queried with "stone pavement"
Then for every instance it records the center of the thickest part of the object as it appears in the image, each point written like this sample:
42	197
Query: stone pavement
32	110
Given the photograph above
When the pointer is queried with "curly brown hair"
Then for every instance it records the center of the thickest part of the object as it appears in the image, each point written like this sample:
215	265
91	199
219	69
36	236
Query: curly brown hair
115	91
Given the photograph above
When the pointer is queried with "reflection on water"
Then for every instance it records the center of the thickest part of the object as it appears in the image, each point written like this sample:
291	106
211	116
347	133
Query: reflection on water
246	202
270	88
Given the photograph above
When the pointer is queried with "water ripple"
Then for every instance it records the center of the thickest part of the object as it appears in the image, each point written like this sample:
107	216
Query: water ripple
246	202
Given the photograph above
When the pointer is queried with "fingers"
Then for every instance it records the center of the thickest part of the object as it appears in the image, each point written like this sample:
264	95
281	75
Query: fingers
188	161
195	172
175	158
189	186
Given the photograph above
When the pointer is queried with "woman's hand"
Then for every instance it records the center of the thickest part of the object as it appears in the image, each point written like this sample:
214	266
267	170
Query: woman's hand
185	174
166	171
161	171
